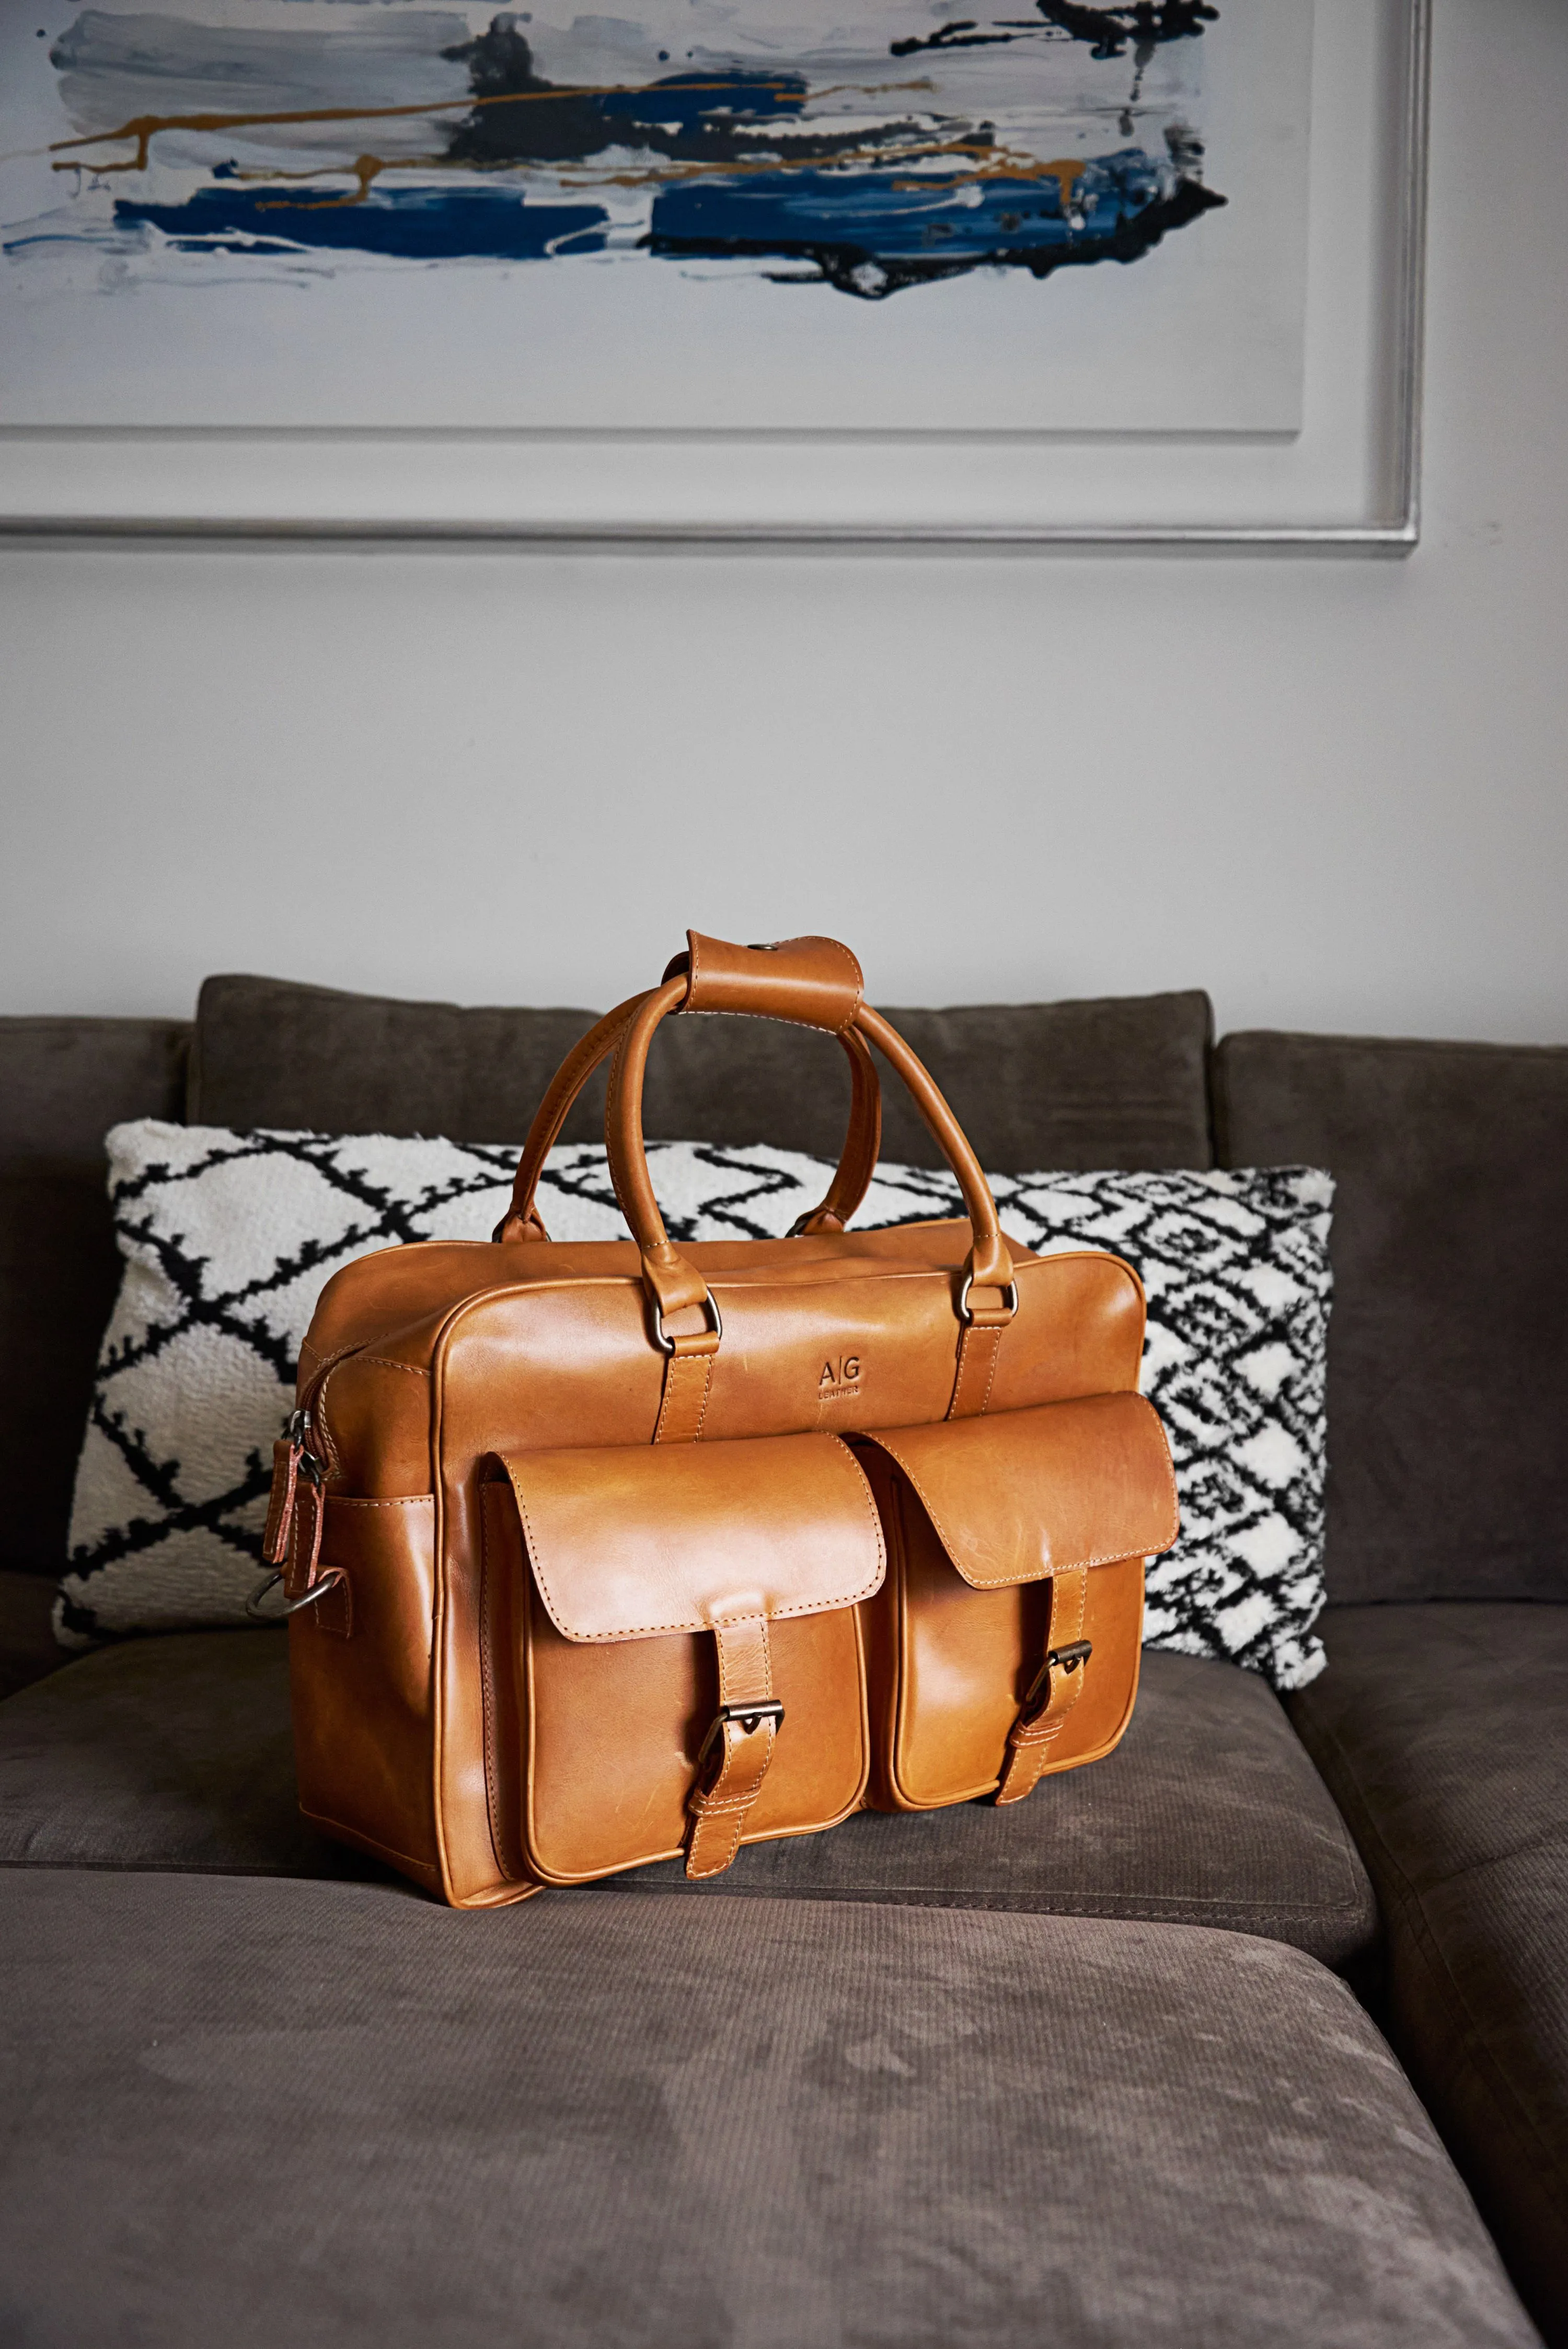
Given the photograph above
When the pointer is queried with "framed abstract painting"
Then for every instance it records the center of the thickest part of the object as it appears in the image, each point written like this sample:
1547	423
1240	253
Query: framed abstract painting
1057	271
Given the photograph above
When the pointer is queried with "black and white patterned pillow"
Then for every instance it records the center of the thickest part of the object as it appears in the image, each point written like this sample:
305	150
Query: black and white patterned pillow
228	1239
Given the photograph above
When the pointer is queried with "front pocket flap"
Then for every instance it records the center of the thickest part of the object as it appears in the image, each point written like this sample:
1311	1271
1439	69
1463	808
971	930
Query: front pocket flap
626	1543
1033	1493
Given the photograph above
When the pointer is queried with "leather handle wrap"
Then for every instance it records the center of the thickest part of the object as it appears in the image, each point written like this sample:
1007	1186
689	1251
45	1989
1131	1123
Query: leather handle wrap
850	1182
673	1284
811	982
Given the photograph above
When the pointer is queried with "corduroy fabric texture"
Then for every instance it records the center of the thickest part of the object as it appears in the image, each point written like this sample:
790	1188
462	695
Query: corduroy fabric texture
176	1753
164	1753
1442	1731
1208	1813
229	1239
1447	1376
331	2113
1118	1082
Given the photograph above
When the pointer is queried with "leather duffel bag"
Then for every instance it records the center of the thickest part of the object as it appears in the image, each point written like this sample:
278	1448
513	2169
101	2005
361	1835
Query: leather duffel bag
596	1554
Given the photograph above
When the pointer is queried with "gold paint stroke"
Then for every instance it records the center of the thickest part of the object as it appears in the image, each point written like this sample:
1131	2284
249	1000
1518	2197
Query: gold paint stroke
984	162
978	162
365	167
145	128
990	164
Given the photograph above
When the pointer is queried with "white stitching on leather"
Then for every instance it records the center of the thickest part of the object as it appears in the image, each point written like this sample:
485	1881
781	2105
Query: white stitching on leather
779	1614
1057	1565
393	1501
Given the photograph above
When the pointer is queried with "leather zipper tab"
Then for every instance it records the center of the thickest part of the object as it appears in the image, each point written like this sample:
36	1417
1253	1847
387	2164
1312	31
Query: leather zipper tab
292	1459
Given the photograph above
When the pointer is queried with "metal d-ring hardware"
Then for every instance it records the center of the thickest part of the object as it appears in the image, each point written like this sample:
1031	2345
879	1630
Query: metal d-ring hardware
667	1345
317	1590
1010	1293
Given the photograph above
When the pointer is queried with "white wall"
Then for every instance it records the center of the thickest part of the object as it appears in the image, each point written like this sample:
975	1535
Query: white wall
1332	791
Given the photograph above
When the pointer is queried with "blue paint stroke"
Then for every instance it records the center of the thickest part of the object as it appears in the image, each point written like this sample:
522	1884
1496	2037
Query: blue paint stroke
405	224
872	233
525	119
708	99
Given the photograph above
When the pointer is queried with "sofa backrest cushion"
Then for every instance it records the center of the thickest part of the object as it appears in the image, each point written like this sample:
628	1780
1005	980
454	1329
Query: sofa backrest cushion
1447	1374
1119	1082
63	1083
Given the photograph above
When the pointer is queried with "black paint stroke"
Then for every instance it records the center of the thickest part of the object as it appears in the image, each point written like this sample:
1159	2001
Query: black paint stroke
1146	25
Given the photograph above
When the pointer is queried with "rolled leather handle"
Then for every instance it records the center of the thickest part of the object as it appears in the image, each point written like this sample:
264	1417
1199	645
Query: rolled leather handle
673	1284
857	1162
521	1220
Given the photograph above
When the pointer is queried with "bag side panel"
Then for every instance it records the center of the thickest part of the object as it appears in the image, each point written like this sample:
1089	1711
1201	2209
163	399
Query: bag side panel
479	1859
501	1690
361	1686
373	1423
881	1619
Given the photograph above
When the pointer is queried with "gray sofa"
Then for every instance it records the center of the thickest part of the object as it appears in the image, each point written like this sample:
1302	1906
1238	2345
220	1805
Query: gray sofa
1227	2039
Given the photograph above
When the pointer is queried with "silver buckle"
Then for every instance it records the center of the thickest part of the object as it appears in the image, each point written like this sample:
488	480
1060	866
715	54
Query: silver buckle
1010	1294
667	1345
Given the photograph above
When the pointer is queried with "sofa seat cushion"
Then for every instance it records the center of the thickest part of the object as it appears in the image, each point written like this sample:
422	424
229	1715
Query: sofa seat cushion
1443	1732
1208	1813
176	1753
257	2113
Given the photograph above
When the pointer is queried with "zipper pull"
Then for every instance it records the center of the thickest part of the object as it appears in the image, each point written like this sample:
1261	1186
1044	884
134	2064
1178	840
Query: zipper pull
292	1459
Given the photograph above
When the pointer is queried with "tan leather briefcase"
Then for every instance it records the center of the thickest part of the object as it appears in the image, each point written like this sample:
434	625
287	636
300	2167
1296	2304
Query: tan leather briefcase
599	1553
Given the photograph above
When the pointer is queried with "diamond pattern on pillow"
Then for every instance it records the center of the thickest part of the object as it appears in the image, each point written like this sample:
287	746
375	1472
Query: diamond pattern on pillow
229	1239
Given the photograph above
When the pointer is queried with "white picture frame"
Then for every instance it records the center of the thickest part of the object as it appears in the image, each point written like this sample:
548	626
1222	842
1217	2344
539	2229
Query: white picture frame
1346	482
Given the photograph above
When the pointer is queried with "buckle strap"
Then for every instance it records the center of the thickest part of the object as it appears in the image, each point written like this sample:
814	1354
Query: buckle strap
684	1403
1056	1689
738	1747
978	1347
